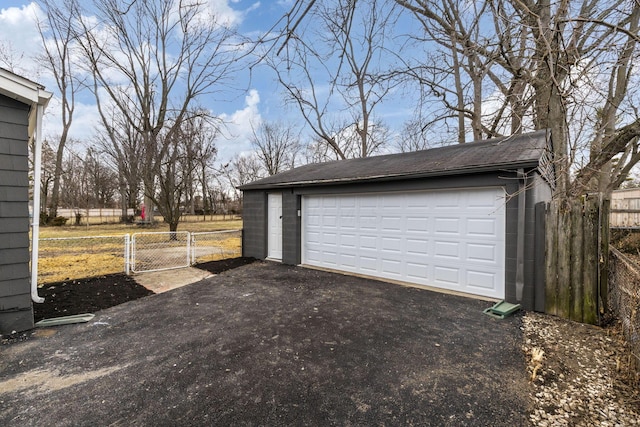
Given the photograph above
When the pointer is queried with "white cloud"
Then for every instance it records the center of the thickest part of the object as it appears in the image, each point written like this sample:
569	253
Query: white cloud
83	127
225	14
19	36
238	129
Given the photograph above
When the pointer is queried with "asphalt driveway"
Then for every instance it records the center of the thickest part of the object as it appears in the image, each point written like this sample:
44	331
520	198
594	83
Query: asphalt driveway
268	344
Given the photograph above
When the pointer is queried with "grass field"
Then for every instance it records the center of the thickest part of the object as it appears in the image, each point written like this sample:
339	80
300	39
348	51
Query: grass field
74	252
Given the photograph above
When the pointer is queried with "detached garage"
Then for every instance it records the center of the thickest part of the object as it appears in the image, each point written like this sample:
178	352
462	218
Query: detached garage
464	218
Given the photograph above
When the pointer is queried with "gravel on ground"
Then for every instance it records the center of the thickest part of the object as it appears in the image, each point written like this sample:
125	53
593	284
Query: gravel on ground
581	374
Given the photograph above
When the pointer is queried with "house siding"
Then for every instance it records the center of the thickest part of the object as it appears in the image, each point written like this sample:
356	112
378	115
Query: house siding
16	311
537	191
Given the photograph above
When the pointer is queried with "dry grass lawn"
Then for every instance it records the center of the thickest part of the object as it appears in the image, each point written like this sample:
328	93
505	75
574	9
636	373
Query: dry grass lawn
73	252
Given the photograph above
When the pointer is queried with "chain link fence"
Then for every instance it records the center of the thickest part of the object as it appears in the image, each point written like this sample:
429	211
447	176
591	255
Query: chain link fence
215	245
68	258
155	251
624	298
65	258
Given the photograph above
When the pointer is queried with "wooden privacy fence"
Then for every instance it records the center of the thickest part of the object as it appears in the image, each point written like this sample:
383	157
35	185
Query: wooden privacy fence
577	247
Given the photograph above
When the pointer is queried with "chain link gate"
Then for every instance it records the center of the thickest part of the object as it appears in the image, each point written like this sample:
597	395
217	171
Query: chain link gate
155	251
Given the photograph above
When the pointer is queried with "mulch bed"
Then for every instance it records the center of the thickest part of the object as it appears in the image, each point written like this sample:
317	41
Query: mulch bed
216	267
86	295
92	294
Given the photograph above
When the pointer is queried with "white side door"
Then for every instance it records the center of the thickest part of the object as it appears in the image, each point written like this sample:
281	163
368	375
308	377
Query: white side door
274	222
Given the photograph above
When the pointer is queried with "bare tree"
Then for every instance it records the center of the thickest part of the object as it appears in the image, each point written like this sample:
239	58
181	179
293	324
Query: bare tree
567	67
278	146
10	59
412	137
46	178
342	72
102	180
242	169
508	66
58	41
124	150
150	61
199	135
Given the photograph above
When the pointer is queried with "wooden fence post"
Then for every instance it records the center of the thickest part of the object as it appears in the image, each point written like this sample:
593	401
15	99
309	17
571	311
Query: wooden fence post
551	259
577	237
603	279
591	261
577	260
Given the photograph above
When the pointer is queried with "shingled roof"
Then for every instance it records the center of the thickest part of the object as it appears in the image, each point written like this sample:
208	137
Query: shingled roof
506	153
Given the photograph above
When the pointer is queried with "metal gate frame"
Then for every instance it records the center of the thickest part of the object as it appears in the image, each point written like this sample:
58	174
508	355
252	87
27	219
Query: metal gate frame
131	257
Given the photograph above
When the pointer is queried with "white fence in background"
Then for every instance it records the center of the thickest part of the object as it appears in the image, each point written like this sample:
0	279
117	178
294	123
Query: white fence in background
69	258
93	212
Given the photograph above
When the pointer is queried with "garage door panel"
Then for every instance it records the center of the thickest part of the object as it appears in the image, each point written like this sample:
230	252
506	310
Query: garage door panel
482	227
348	241
369	242
477	200
417	247
391	224
480	279
391	244
391	267
418	272
447	226
349	261
313	220
349	222
417	224
446	275
368	222
447	249
330	258
452	239
369	263
481	252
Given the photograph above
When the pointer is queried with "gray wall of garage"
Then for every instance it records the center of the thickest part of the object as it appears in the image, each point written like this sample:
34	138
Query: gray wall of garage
537	190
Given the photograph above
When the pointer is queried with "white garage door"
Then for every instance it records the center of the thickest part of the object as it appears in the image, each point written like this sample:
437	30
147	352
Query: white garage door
453	240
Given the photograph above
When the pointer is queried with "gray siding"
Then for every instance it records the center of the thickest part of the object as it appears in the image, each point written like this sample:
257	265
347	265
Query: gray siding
254	224
16	312
255	228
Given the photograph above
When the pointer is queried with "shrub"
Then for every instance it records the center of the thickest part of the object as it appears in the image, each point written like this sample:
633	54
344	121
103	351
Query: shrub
44	218
58	221
629	243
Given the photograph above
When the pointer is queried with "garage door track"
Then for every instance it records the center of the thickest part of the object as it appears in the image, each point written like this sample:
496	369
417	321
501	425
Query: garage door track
268	344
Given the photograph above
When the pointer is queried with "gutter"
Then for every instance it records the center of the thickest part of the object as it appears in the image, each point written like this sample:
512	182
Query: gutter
522	199
35	217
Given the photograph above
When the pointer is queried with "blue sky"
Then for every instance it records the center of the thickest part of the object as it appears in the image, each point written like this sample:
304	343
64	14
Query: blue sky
251	100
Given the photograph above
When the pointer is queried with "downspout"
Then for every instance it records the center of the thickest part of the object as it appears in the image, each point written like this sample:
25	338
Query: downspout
35	217
522	187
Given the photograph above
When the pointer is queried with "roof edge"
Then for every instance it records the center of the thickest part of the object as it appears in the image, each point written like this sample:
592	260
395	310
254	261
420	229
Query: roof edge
383	178
22	89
